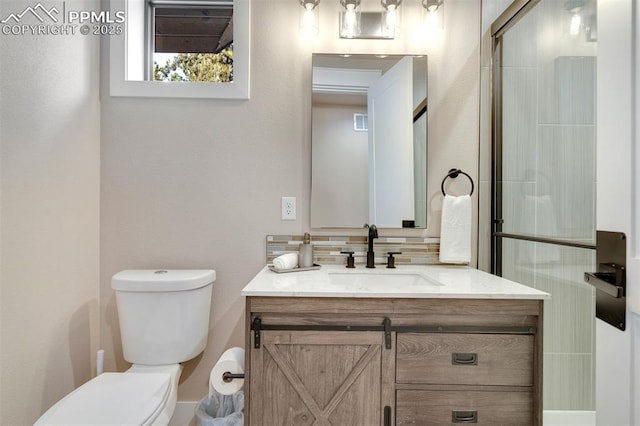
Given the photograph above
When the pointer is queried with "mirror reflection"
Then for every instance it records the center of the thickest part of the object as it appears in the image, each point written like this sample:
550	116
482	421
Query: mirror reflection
369	141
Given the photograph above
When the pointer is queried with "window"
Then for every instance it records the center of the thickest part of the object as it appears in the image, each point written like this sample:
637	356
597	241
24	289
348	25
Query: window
190	41
157	27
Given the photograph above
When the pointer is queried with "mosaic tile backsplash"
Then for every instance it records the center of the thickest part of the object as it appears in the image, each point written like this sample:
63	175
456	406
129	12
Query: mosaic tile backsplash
326	249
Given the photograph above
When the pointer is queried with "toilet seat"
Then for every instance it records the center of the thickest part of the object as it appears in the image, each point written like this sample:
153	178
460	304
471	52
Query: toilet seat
112	399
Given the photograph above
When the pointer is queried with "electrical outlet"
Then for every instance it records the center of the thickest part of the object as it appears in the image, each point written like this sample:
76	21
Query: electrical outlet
288	208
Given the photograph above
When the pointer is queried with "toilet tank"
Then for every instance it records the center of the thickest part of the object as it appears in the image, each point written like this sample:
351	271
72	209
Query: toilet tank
163	314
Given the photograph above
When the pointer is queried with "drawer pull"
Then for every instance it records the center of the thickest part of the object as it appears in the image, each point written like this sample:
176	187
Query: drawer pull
387	415
464	417
464	359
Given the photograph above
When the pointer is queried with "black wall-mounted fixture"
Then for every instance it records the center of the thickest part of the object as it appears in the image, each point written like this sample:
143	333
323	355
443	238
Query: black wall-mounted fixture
610	279
453	173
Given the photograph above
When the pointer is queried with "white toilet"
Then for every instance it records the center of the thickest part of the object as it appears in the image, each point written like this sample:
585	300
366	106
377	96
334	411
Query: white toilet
164	320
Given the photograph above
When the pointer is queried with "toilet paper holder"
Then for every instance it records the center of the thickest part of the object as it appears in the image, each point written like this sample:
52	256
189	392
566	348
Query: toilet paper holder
228	376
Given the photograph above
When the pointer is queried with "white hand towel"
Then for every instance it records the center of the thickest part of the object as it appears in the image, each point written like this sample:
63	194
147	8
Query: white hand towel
455	232
286	261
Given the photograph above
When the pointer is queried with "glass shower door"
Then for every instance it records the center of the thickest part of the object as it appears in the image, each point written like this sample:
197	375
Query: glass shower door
544	184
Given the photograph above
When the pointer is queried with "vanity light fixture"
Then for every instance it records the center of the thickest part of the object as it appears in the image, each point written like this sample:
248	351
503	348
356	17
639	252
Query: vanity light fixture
350	19
309	19
391	18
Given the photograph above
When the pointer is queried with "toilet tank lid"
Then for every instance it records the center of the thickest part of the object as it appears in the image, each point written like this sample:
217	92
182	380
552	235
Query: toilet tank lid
150	280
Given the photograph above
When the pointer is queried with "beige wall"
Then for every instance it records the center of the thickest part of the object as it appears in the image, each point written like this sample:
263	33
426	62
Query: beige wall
49	211
197	183
184	183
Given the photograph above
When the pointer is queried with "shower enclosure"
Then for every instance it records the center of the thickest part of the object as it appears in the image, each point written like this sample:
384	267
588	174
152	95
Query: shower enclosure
543	178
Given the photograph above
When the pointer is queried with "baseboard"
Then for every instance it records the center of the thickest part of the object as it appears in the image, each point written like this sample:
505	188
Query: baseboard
184	414
569	418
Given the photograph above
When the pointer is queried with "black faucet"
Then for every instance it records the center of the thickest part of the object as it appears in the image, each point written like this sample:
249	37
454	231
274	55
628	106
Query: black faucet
373	233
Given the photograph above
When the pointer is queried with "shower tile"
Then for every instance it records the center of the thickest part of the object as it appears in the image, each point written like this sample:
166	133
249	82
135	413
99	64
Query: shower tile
513	268
567	90
570	313
566	175
519	122
519	50
485	124
568	382
517	219
484	226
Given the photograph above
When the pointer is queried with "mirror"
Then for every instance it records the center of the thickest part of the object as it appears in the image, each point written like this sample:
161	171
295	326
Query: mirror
369	141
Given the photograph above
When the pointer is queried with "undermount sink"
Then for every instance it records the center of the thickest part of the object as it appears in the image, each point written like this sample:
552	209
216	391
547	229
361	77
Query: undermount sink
380	279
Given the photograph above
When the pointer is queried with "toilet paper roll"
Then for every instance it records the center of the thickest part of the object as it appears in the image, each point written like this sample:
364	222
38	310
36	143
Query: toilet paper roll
232	360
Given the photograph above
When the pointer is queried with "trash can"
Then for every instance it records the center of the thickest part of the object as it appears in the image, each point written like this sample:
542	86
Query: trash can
221	410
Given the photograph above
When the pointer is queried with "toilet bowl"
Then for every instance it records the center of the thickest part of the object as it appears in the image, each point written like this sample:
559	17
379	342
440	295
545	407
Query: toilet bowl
164	320
140	396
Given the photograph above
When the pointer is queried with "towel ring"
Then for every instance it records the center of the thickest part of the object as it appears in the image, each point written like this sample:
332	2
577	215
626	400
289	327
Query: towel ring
453	173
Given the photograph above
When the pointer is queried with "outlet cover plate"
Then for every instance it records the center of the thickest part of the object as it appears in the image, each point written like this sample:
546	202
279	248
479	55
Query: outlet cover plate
288	210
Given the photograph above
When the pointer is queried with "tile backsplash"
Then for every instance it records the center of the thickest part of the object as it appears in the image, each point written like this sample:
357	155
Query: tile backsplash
326	249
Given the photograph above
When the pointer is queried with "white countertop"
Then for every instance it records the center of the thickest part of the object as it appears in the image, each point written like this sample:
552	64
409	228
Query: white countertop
420	281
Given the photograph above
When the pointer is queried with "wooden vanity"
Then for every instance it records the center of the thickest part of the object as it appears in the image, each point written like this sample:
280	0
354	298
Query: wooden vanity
397	356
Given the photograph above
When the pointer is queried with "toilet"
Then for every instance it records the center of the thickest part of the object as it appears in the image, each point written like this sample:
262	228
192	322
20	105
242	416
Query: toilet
164	320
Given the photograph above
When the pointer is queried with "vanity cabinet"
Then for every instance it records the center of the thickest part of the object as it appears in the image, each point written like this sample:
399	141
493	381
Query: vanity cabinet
393	361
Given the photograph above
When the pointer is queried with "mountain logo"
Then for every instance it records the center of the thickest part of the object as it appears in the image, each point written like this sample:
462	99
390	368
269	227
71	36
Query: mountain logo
39	11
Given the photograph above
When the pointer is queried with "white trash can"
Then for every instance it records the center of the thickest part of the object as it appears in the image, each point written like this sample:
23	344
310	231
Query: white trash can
221	410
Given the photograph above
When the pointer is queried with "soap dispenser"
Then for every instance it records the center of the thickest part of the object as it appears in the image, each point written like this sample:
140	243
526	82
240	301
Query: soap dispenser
306	252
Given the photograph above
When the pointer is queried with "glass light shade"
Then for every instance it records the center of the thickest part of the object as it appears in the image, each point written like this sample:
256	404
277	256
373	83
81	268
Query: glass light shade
350	25
309	18
433	14
391	20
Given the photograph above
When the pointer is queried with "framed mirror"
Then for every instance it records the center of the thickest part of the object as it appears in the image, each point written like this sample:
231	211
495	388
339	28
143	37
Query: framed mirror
369	141
221	28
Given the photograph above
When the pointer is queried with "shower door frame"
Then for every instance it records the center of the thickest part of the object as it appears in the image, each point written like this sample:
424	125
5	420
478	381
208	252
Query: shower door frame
517	10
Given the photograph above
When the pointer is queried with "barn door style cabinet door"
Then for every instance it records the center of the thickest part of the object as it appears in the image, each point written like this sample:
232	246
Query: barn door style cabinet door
383	362
317	378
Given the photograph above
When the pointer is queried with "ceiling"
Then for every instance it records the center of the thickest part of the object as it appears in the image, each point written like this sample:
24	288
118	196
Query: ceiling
204	29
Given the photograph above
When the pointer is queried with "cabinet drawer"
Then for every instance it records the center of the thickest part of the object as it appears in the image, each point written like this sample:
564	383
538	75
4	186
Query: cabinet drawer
427	408
465	359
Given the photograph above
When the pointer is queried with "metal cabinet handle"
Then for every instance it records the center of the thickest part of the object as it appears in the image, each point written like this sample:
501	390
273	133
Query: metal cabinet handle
387	416
464	417
464	358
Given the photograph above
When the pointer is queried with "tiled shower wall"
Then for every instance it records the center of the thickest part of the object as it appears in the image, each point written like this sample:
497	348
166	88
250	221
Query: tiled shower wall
326	249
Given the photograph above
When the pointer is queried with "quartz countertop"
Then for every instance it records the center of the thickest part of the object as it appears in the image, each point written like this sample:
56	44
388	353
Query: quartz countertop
419	281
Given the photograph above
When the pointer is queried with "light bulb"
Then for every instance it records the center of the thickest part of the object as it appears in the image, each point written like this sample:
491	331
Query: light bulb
574	25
